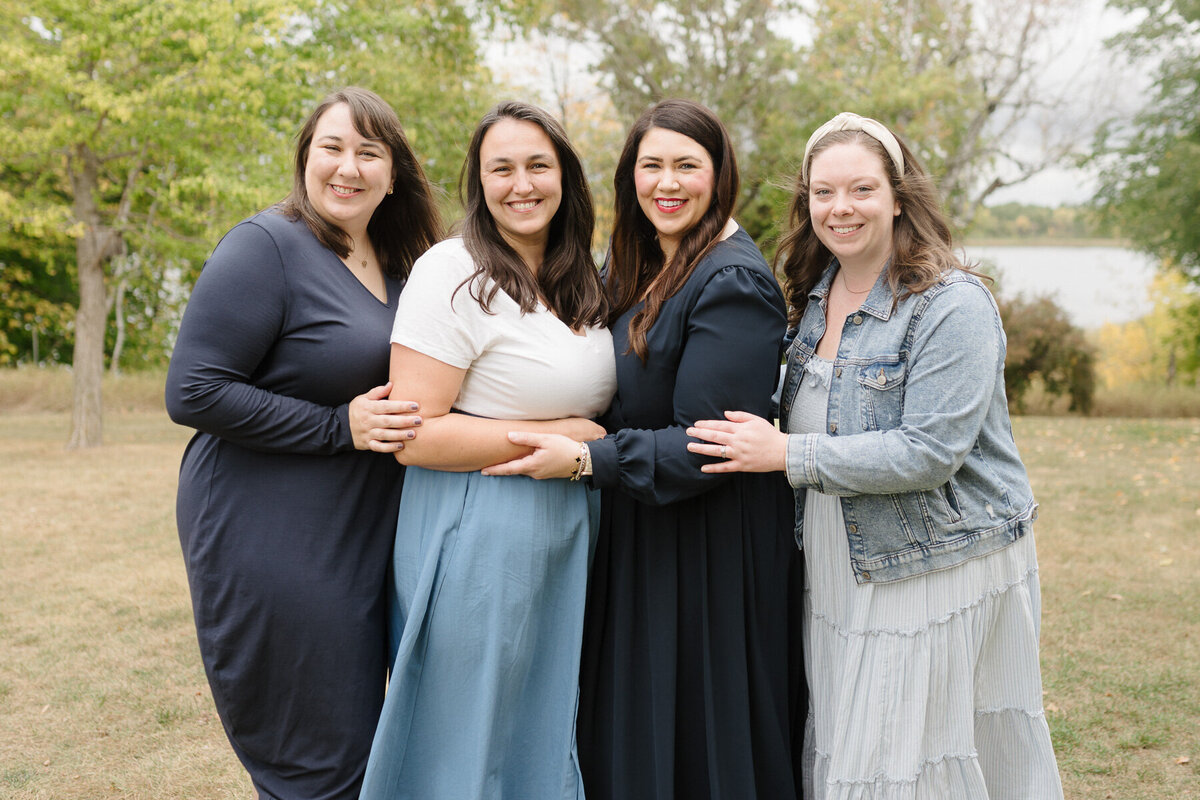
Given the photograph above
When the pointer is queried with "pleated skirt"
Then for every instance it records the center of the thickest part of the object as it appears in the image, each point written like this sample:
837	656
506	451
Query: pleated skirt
489	583
928	688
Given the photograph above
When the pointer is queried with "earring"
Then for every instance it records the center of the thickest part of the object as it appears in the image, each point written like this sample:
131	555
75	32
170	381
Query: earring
390	190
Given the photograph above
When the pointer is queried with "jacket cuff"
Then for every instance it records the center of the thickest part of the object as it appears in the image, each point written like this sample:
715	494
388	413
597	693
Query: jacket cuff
800	467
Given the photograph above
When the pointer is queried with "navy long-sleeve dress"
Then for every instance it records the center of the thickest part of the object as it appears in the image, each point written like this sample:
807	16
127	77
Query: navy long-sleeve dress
286	528
692	681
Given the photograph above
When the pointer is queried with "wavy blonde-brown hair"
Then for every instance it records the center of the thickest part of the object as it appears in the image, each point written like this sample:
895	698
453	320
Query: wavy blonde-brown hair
921	238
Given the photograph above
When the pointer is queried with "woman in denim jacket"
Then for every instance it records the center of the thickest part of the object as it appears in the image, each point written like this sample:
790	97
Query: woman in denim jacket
912	503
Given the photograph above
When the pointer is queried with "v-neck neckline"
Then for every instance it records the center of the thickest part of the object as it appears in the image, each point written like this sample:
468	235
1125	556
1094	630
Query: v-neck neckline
386	302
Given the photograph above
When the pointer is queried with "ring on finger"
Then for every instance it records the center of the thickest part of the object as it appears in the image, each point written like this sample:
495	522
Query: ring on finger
724	449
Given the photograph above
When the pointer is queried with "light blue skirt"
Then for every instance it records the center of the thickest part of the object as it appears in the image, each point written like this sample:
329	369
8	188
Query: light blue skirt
489	582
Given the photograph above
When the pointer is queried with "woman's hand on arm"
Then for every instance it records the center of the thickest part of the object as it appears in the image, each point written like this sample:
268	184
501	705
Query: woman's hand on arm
380	424
553	456
746	442
456	442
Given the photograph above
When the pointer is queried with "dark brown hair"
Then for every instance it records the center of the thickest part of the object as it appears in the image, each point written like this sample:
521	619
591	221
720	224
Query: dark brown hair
567	280
636	270
921	238
406	222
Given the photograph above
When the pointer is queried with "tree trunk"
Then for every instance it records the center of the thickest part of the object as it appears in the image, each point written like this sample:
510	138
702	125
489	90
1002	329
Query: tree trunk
98	244
118	309
87	363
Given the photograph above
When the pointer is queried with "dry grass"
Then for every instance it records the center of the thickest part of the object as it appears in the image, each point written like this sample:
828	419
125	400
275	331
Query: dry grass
1120	559
48	389
1126	401
1148	401
101	690
102	694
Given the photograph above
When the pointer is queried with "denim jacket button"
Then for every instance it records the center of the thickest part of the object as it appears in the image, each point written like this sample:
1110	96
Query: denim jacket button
857	319
866	576
852	528
833	427
838	372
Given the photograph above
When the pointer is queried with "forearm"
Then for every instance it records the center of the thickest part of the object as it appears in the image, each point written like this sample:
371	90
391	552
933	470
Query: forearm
254	417
462	443
878	462
653	466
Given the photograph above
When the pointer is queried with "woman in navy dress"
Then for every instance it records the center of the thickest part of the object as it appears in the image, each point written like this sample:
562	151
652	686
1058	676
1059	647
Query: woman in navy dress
691	680
288	491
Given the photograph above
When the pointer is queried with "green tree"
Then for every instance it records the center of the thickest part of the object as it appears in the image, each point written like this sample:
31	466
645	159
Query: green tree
134	113
152	127
36	284
1150	185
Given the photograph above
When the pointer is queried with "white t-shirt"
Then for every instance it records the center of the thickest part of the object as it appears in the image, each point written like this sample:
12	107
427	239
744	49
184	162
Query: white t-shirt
519	366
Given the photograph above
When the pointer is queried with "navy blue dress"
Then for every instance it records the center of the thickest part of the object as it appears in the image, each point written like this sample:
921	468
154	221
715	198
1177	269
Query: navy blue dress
286	528
692	681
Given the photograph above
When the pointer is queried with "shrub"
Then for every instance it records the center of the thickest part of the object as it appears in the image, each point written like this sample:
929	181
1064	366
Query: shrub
1044	344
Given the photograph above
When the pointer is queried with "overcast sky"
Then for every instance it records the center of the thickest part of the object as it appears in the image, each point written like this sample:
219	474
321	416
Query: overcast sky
1102	85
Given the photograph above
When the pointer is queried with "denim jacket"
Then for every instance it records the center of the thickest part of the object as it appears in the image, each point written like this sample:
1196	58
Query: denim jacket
918	443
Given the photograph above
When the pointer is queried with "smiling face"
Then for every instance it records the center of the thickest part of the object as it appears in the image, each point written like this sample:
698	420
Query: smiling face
852	205
673	176
522	184
347	174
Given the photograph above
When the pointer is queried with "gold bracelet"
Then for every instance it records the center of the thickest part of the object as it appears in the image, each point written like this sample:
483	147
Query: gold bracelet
580	461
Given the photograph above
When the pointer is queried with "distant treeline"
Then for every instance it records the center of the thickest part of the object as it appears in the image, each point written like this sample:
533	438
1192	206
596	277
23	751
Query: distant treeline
1021	221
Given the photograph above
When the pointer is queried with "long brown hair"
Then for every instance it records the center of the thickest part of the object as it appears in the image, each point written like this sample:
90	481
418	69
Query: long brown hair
636	270
406	222
921	237
567	279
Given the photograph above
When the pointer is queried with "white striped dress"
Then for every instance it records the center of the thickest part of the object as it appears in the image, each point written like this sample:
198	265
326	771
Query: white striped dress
928	688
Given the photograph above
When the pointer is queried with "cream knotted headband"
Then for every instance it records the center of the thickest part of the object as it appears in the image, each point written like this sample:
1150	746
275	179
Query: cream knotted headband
846	121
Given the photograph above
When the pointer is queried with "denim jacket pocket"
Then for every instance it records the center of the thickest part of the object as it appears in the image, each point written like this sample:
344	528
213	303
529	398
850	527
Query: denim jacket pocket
930	517
881	387
941	512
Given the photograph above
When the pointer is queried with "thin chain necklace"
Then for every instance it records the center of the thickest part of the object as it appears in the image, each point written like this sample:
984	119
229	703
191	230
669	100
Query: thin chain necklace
842	274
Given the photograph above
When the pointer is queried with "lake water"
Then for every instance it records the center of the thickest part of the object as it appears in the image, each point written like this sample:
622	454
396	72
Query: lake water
1093	285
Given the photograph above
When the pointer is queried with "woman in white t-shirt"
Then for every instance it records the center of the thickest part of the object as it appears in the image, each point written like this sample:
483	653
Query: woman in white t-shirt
503	324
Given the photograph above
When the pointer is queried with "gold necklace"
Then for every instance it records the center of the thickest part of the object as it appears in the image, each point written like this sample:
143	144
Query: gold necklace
842	274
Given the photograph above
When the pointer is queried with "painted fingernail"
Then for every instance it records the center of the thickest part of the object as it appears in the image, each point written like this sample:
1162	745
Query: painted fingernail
416	421
413	406
409	435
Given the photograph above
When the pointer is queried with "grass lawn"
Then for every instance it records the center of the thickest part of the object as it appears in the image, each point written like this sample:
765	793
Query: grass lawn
102	694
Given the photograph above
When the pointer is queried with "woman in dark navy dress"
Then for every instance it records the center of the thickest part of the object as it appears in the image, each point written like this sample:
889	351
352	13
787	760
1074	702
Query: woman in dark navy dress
691	680
286	516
